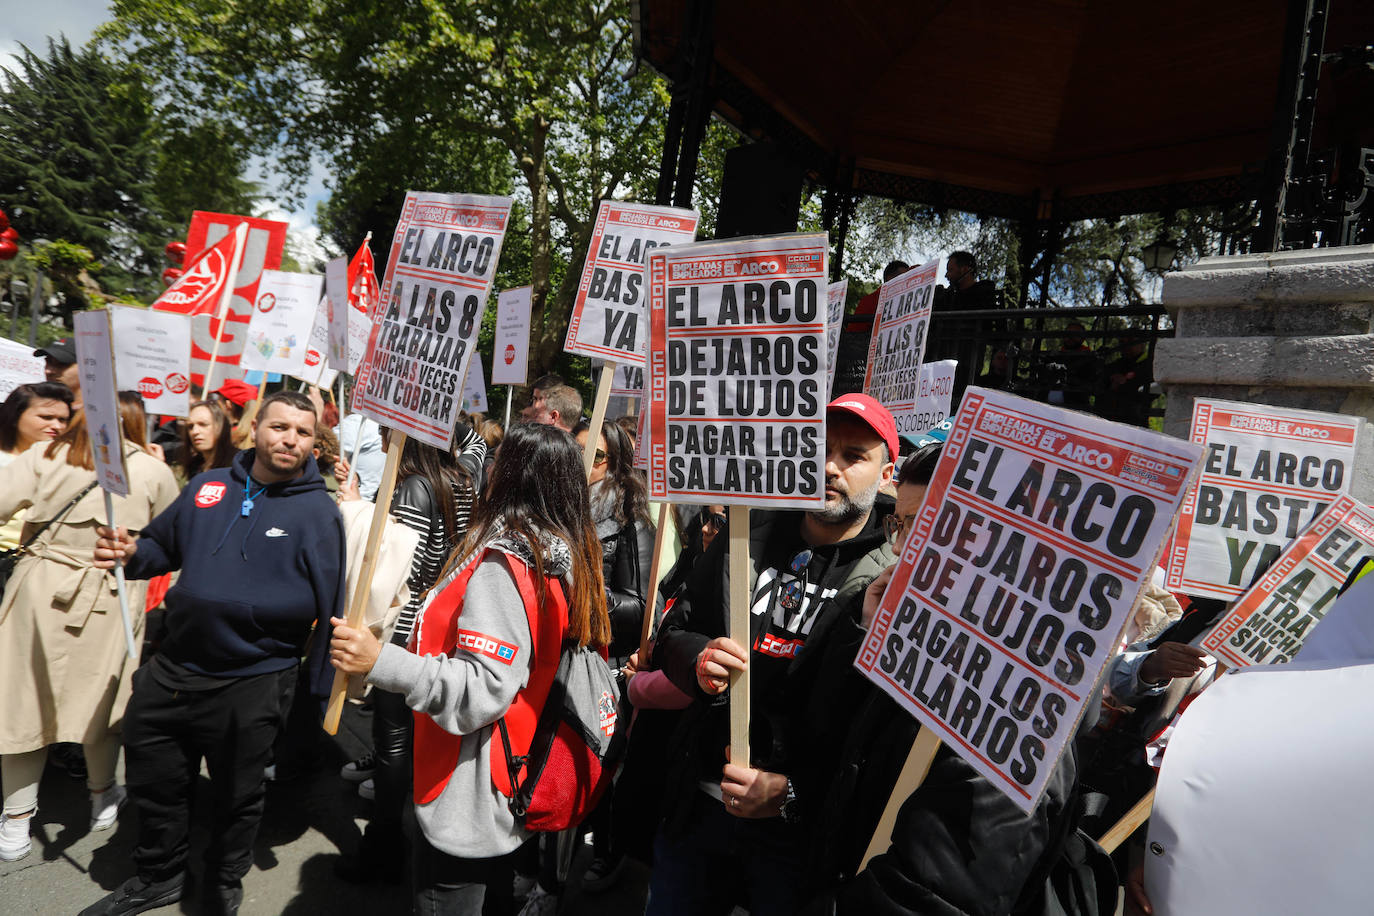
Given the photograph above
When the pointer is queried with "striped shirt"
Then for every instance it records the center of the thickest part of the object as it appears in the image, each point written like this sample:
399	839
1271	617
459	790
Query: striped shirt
435	545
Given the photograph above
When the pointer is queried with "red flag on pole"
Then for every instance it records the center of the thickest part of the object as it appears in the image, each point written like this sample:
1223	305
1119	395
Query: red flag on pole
363	292
197	291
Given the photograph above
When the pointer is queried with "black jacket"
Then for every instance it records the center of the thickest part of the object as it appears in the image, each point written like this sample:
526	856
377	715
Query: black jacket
626	558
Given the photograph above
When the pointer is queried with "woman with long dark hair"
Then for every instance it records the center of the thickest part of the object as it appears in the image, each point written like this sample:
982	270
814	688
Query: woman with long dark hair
37	412
620	508
532	546
207	439
433	497
64	671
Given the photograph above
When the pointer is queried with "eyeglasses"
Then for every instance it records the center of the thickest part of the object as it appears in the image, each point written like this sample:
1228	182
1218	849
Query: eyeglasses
894	526
794	591
599	457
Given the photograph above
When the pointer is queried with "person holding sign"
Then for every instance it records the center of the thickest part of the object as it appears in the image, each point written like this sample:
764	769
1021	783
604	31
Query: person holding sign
64	671
484	651
809	573
260	546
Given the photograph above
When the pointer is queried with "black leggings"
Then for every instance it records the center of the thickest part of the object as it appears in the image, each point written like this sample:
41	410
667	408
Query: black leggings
393	727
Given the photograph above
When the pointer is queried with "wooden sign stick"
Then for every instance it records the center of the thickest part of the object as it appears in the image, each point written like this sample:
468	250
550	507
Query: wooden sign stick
739	632
603	397
357	608
1128	824
914	771
119	584
651	592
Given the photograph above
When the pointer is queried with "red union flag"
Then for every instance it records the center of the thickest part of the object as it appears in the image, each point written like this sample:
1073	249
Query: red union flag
197	290
363	292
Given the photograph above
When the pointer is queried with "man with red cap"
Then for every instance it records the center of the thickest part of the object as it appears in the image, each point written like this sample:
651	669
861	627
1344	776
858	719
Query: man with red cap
736	835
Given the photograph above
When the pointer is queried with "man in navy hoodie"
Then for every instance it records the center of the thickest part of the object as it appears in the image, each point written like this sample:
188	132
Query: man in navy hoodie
260	546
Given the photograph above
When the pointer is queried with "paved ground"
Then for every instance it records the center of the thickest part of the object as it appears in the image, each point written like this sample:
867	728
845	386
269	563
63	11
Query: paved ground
307	824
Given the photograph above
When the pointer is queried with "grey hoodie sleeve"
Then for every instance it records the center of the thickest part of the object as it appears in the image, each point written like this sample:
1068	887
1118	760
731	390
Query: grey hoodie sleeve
476	684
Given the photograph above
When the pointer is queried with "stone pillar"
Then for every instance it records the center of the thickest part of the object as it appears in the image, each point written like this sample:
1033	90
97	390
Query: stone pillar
1290	329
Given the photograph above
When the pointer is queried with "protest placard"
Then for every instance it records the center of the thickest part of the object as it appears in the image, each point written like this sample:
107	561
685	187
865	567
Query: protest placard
104	426
336	299
224	336
443	260
737	372
511	347
608	314
316	369
834	320
152	355
1269	472
475	387
935	391
1273	619
283	316
897	344
18	366
1037	533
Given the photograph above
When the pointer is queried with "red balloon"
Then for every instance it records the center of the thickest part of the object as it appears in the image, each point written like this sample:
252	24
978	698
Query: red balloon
4	220
169	276
7	249
176	252
10	234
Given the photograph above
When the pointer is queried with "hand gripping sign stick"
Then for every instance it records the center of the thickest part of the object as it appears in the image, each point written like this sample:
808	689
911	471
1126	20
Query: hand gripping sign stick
240	233
918	761
603	397
357	608
651	595
739	632
119	586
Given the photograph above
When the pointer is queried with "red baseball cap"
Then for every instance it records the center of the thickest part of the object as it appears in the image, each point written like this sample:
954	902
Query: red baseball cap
238	391
875	415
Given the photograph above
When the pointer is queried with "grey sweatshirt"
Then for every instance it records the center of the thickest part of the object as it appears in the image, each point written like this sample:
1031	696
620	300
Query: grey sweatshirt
465	694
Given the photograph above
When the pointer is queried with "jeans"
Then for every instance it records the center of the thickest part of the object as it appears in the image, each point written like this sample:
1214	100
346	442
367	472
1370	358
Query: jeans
448	886
719	861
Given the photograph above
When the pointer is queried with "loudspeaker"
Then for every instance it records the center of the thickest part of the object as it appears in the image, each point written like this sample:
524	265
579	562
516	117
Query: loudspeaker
760	192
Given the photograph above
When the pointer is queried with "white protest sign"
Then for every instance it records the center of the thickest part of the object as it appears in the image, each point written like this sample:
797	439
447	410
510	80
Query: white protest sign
1345	634
835	296
608	314
475	387
316	370
898	342
737	372
283	315
1273	619
152	355
100	399
18	366
443	260
511	345
934	393
346	335
1038	531
1269	472
1265	798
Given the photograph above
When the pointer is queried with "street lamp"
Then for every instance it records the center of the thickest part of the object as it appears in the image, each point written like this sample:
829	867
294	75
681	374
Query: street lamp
1159	256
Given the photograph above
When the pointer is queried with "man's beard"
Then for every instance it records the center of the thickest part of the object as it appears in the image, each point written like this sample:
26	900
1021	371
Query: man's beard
850	507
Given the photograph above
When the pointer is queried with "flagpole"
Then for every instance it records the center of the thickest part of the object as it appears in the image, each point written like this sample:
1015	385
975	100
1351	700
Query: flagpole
510	396
240	233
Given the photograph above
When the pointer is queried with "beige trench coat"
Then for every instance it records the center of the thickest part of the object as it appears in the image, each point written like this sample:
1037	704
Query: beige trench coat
64	671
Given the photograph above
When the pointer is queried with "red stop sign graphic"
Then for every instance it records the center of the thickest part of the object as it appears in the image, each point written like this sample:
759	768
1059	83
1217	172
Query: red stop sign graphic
510	354
149	387
312	357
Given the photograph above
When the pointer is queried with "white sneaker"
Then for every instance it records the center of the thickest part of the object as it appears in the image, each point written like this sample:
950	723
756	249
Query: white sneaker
14	837
367	789
105	806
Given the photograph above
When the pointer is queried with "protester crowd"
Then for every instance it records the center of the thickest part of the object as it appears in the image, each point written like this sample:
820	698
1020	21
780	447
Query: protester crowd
501	551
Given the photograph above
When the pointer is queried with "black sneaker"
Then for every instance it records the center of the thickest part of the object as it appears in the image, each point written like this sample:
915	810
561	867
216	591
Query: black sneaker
603	873
135	896
224	900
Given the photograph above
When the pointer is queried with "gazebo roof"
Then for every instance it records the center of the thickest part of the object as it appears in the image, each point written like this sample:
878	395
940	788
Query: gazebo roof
993	106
